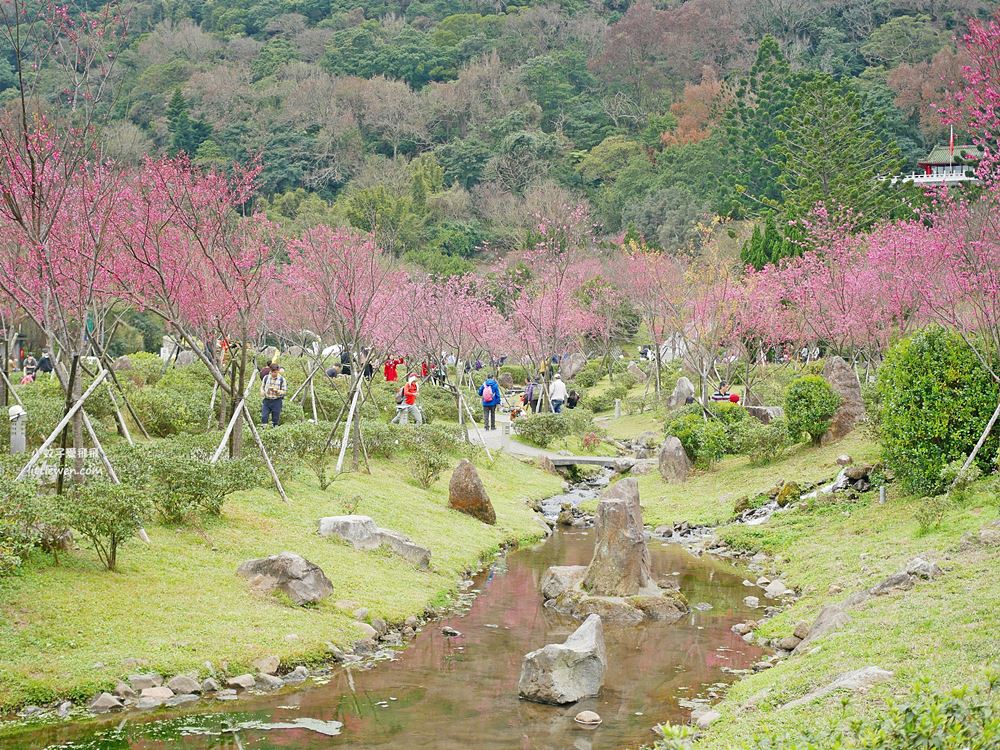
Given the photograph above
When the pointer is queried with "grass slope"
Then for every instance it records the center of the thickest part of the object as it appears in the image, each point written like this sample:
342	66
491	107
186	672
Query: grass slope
67	630
708	497
944	630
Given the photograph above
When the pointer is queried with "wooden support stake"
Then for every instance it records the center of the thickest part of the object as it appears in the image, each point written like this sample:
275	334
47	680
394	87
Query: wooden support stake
118	415
347	430
263	451
473	420
10	389
61	426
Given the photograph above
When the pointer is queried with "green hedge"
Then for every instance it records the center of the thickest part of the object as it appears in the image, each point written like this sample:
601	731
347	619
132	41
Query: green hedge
809	407
936	398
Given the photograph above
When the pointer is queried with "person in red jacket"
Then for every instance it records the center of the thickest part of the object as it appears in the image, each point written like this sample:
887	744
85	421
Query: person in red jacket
409	407
424	371
390	370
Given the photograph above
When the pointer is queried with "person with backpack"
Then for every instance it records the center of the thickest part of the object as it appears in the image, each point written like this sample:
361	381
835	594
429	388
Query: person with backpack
489	391
45	363
406	402
273	388
30	365
557	393
572	399
528	397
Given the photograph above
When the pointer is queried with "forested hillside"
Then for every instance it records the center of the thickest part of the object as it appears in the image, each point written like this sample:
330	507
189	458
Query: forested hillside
448	126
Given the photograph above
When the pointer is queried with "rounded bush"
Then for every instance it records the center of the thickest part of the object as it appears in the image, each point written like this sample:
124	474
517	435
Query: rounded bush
809	406
936	398
542	429
705	442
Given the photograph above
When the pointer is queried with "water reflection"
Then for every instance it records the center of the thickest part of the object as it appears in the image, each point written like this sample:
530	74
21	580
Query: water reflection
457	693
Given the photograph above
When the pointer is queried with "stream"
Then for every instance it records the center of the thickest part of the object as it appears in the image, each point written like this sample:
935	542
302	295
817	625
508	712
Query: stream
460	692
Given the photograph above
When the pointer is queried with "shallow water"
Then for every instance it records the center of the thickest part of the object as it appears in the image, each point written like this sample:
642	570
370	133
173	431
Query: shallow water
460	693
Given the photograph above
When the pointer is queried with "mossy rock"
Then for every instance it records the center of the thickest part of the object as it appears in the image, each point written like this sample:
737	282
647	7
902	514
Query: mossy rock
789	493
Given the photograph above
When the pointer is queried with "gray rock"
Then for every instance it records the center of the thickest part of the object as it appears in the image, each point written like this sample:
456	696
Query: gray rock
179	700
901	581
186	358
621	563
742	628
505	380
637	373
362	533
229	694
765	414
705	717
297	675
681	393
673	461
367	630
162	692
561	578
830	618
267	664
565	673
123	691
858	680
788	643
571	365
923	568
103	703
801	630
183	684
467	494
751	601
145	704
64	709
210	685
243	681
844	460
776	589
143	681
268	682
844	382
855	600
122	363
302	581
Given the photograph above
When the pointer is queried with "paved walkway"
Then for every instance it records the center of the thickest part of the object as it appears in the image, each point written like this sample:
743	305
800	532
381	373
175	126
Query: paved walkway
496	441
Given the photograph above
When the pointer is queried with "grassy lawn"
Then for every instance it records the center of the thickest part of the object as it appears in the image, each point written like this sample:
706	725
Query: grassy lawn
68	629
944	630
708	496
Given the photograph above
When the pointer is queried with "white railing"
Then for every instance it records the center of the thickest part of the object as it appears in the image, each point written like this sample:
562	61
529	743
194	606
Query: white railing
947	176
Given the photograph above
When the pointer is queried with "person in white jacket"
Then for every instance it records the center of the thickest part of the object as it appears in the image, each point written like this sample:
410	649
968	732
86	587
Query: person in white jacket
557	393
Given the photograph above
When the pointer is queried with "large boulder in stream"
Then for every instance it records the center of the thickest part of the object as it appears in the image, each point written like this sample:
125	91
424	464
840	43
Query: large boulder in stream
565	673
561	578
467	494
673	461
362	533
302	581
621	565
844	382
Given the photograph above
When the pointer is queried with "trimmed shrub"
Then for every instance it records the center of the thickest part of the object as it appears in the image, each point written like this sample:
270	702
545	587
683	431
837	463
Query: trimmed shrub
185	484
108	515
427	465
542	429
809	407
705	442
518	372
20	510
599	402
761	443
936	399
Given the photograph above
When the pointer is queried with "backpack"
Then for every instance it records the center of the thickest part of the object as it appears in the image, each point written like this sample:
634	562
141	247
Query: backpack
399	397
45	364
530	391
487	394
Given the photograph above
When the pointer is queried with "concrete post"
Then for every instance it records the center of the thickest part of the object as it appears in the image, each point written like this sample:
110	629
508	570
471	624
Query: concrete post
18	429
618	408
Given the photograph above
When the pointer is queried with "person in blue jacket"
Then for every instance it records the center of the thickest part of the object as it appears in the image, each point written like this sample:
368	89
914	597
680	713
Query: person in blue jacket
490	394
